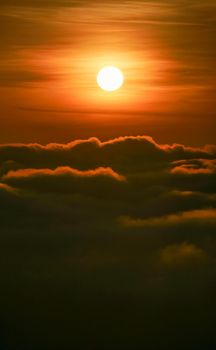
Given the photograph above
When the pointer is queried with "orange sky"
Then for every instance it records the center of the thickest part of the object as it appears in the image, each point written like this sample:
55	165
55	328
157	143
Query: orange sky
52	51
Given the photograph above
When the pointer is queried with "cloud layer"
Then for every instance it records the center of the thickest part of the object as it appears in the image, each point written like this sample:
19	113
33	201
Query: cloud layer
106	235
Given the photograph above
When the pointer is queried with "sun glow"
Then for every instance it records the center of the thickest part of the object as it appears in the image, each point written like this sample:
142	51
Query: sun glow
110	78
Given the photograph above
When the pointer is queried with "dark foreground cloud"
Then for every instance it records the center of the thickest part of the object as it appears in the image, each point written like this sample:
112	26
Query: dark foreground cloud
124	154
107	245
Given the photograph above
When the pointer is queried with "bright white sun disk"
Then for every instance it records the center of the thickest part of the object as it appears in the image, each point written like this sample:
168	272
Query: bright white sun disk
110	78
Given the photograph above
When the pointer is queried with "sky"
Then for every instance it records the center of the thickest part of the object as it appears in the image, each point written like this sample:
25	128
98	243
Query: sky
107	200
52	50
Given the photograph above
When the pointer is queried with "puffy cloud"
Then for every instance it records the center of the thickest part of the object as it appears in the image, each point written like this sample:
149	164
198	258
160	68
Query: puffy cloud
183	253
127	169
206	216
130	169
109	230
127	154
61	171
65	180
194	166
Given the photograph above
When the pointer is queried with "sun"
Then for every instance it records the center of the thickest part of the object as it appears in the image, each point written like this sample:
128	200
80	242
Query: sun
110	78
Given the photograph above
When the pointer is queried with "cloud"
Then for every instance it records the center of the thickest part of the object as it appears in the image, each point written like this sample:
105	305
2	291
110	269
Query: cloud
101	229
203	216
64	180
183	253
61	171
131	168
4	187
128	154
194	166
